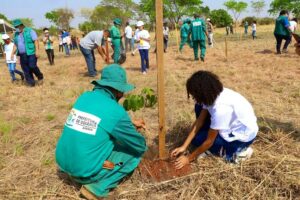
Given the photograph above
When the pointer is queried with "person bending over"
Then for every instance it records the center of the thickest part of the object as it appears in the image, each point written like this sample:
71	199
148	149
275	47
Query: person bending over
225	125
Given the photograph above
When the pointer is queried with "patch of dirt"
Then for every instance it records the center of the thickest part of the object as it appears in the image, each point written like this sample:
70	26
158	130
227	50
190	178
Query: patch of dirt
161	170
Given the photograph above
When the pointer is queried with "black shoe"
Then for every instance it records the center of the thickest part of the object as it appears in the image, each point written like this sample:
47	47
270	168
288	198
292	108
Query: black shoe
202	59
196	59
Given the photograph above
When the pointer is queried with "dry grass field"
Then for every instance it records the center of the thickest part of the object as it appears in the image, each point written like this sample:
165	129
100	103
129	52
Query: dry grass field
31	120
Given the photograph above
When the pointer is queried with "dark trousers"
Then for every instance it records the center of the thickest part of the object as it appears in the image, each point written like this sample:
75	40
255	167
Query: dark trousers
29	67
89	57
279	39
50	54
128	44
61	48
220	146
144	53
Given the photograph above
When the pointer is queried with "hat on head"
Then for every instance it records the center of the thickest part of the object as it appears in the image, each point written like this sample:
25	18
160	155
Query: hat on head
187	20
17	22
118	21
208	19
114	76
46	31
140	23
5	37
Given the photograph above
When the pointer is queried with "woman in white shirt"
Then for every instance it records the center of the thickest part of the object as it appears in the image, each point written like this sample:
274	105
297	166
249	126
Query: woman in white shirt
293	25
11	59
143	39
225	125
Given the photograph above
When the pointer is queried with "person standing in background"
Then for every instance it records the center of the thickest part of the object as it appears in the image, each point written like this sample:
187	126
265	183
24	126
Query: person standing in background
199	34
128	38
184	33
60	43
116	39
143	38
166	35
26	41
11	58
66	42
253	30
282	31
48	43
246	26
210	30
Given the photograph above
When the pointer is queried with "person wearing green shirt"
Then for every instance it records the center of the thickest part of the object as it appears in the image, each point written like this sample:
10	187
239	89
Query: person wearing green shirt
100	144
282	31
116	39
198	34
246	26
184	33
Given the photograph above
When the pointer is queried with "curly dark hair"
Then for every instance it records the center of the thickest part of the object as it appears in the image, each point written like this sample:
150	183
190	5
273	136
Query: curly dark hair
204	86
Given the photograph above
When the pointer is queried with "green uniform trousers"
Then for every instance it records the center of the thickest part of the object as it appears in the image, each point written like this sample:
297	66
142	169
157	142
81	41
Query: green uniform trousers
185	40
202	45
117	50
101	183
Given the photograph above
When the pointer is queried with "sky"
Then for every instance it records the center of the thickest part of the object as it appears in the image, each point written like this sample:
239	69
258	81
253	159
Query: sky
36	9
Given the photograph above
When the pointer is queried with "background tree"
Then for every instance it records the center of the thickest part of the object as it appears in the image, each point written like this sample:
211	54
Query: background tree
60	17
236	7
291	5
220	18
258	6
2	16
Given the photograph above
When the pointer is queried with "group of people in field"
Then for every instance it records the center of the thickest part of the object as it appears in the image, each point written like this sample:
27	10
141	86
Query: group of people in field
100	144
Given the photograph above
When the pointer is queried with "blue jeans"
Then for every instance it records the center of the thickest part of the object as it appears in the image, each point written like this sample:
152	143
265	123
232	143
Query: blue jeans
144	53
12	70
29	67
67	50
90	60
220	146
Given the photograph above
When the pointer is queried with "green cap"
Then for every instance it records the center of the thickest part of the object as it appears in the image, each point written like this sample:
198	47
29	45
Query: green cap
187	20
17	22
118	21
114	76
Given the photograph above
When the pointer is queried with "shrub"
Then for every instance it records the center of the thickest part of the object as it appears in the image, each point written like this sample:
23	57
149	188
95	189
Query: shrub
220	18
260	21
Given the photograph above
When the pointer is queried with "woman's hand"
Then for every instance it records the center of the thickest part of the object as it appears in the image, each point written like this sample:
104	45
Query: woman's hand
177	151
181	162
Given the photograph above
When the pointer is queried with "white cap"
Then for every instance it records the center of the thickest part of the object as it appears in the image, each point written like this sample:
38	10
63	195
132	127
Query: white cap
5	37
208	19
140	23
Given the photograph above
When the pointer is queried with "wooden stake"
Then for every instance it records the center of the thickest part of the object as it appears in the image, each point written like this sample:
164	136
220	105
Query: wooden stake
226	49
177	42
160	79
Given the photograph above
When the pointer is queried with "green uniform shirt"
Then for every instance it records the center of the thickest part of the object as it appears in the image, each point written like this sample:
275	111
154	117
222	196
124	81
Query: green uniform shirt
198	29
95	124
281	26
115	33
184	30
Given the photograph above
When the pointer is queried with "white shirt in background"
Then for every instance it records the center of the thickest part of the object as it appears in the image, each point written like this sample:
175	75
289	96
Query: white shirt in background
143	44
128	32
8	49
293	26
233	116
253	27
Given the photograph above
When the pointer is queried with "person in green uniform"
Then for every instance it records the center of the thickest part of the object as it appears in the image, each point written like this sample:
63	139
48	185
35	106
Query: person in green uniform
116	39
100	144
246	26
184	33
199	34
282	31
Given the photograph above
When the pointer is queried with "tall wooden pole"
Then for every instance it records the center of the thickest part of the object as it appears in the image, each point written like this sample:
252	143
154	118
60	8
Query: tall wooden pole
160	79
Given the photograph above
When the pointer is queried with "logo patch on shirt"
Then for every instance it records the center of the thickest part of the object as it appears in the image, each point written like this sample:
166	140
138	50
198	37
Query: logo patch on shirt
82	122
197	23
